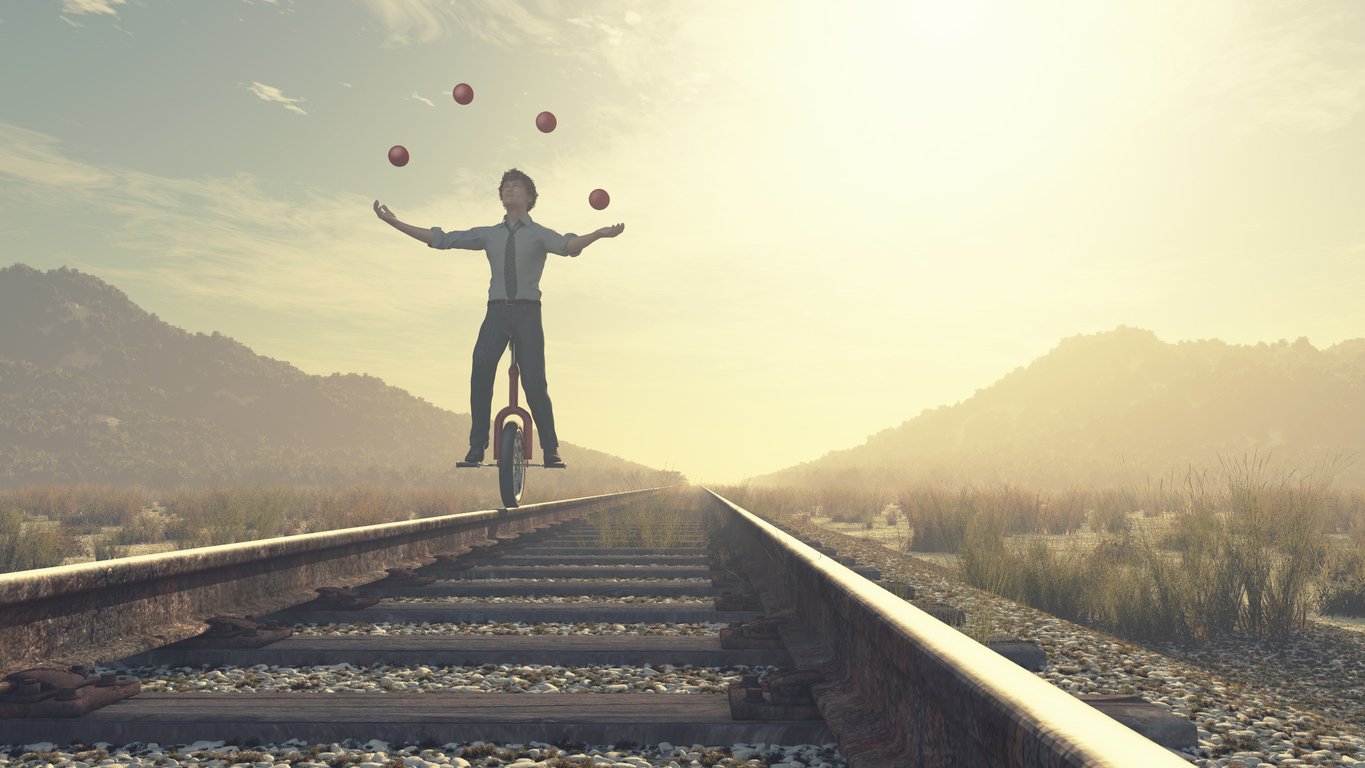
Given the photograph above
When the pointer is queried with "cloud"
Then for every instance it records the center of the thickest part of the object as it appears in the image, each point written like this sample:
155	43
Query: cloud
91	6
504	23
267	93
422	99
32	157
636	46
226	240
1295	74
428	20
613	33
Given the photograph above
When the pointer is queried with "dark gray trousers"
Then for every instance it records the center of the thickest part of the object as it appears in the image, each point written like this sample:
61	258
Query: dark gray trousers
504	323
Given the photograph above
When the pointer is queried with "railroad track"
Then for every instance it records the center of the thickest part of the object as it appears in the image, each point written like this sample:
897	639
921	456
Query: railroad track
815	653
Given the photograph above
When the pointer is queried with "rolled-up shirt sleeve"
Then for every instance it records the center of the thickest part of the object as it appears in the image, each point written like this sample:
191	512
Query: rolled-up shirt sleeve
469	239
557	243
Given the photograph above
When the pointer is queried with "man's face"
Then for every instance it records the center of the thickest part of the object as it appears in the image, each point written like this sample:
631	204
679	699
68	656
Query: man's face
514	194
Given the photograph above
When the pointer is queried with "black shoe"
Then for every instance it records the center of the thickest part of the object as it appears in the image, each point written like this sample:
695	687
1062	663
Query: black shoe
475	455
552	458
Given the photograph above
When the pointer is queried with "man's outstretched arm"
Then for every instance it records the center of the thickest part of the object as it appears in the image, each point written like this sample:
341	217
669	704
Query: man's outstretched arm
384	214
579	242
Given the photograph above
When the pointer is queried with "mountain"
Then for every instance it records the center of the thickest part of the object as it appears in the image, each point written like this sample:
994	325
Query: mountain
1119	407
94	389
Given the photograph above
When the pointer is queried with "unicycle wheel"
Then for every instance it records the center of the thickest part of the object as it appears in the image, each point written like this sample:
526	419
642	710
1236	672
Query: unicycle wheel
512	463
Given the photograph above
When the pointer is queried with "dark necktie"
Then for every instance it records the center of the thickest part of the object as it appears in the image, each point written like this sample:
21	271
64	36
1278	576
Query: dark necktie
509	265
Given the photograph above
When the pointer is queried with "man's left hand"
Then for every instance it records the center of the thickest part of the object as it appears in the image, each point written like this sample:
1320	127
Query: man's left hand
610	231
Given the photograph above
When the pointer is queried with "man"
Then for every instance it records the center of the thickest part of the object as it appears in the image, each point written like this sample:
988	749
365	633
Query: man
516	249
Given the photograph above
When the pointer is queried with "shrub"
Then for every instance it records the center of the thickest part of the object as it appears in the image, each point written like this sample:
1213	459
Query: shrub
1245	555
109	505
1064	512
1112	509
24	546
145	528
937	516
106	548
1341	591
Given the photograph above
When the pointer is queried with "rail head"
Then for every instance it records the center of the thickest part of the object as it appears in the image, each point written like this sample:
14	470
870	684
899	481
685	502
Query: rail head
923	669
90	613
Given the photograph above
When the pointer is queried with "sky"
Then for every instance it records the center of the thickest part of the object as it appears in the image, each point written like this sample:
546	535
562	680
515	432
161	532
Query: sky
835	218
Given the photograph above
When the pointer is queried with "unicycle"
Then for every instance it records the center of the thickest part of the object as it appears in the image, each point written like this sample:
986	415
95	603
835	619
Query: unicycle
512	446
511	441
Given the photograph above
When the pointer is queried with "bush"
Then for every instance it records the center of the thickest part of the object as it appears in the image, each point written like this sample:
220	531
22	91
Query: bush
1342	598
1058	582
844	504
1341	592
24	546
938	517
1112	509
146	528
103	505
1064	512
1245	556
106	548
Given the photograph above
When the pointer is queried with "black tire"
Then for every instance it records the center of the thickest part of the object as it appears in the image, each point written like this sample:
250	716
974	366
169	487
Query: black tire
512	463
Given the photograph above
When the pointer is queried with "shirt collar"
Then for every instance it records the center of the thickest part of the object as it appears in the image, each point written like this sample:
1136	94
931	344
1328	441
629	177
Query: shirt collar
525	220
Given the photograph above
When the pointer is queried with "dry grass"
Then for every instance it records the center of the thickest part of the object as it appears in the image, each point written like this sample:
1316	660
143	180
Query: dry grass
1240	546
652	522
44	526
27	544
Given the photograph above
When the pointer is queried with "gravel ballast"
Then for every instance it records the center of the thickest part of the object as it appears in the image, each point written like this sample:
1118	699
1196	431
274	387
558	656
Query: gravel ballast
511	628
1256	703
489	678
378	754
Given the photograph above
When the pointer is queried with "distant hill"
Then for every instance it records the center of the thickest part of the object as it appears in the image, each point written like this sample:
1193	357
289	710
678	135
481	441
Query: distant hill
1115	408
94	389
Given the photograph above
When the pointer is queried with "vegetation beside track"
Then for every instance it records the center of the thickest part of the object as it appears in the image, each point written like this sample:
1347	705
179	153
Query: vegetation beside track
1242	546
47	525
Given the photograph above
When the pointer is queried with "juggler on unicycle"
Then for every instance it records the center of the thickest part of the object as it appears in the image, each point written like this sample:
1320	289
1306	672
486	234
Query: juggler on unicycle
516	248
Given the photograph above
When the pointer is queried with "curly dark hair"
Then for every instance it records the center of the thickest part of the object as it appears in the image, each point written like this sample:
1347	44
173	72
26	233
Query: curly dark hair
515	175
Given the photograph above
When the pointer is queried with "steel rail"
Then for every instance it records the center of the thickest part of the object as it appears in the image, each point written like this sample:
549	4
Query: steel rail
92	613
904	689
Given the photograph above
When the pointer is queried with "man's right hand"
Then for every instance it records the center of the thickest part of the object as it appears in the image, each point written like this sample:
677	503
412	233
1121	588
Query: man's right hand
384	214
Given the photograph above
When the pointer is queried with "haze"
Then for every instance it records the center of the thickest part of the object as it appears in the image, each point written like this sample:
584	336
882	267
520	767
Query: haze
833	220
